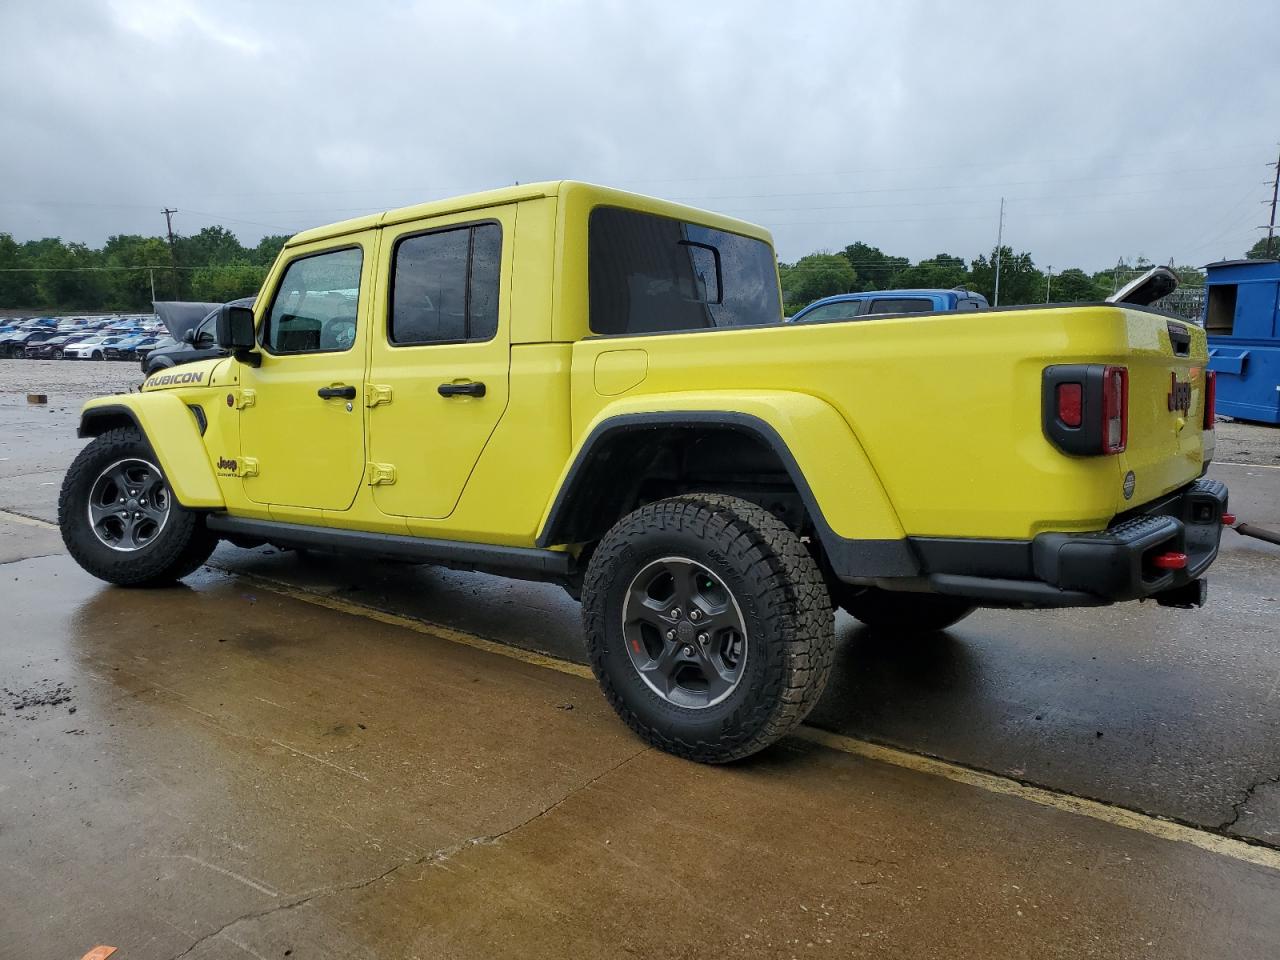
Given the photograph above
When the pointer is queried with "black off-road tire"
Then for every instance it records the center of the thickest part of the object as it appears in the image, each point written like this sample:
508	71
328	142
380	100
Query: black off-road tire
903	612
181	546
789	627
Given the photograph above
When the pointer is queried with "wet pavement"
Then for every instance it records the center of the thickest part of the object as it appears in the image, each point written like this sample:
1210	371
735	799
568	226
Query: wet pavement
232	768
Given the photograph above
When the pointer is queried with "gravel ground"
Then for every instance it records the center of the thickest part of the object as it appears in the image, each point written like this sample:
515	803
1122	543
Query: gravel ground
76	380
63	380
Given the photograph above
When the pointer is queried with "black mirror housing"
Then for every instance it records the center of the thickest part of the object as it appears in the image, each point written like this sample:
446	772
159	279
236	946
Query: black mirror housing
234	328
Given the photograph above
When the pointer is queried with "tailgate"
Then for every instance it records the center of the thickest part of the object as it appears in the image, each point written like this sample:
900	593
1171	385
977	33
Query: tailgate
1168	446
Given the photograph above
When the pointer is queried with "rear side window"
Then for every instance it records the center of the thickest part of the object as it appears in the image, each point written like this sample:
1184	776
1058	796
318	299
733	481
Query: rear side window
314	310
902	305
651	274
444	288
968	304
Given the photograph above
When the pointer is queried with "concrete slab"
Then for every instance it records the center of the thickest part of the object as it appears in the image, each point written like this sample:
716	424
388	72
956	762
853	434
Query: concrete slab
244	772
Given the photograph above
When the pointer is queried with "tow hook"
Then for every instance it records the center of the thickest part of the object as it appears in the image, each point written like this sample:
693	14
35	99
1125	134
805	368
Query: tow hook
1185	597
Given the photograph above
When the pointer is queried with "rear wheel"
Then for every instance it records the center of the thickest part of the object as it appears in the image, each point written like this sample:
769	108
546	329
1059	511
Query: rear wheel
118	517
57	354
707	626
901	611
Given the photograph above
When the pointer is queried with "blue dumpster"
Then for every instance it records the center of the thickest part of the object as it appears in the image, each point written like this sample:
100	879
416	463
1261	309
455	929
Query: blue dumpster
1242	318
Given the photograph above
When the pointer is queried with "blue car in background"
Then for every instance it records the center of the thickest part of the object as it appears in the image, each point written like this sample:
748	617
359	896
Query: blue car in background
855	306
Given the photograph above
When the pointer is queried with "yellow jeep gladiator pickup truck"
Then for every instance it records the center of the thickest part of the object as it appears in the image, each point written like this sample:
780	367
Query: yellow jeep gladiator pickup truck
569	383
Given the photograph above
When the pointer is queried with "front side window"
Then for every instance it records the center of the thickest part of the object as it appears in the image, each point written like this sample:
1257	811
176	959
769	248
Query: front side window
444	287
902	305
314	310
651	274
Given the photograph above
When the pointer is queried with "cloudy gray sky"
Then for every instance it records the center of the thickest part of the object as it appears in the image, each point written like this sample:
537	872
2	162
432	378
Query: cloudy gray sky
1112	129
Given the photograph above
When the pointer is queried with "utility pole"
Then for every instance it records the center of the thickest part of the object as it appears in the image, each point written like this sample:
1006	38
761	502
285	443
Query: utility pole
1271	227
1048	282
999	246
151	270
173	254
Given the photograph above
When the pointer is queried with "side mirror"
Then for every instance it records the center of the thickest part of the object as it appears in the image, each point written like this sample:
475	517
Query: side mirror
189	336
234	328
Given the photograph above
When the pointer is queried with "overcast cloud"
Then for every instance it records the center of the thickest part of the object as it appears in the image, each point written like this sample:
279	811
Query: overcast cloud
1113	129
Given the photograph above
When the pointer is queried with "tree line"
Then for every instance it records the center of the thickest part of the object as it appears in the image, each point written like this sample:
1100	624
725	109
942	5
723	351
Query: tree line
212	265
860	267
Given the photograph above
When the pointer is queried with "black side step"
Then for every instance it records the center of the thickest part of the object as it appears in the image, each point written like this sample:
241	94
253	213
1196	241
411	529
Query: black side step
524	563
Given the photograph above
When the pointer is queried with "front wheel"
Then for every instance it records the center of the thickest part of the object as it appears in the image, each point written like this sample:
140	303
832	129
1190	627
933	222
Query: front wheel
57	354
707	626
97	355
902	611
119	520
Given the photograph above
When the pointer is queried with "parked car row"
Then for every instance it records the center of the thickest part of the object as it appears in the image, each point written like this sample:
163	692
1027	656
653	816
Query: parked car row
82	338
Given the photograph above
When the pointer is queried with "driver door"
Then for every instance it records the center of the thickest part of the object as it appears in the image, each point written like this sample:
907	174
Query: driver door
302	416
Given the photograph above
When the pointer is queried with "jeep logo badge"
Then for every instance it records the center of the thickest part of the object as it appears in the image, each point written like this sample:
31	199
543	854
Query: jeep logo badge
1179	395
228	465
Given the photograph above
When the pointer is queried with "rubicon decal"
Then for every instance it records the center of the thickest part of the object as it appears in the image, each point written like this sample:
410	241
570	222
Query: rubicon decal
173	379
1179	394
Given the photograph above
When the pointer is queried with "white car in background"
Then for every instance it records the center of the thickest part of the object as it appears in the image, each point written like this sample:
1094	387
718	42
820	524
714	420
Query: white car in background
91	349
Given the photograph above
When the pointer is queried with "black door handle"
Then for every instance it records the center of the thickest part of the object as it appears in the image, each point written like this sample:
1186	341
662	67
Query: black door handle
473	389
336	393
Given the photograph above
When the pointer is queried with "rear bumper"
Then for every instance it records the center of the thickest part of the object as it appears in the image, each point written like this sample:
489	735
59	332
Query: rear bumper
1116	563
1084	569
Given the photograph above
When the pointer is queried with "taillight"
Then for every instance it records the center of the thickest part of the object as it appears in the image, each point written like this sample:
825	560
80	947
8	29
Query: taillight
1071	403
1085	408
1115	409
1210	397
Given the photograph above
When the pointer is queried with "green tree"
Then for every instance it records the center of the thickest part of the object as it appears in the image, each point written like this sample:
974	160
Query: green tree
1259	250
874	267
211	246
132	260
17	281
942	271
268	248
218	284
815	276
1020	281
1073	285
66	277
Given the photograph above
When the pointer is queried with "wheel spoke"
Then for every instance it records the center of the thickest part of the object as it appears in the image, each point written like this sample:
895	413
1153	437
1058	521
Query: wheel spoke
719	676
99	512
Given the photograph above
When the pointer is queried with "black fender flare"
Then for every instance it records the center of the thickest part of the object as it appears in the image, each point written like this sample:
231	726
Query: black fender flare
848	558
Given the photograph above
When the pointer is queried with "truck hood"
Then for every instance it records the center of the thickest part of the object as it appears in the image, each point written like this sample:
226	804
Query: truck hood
179	316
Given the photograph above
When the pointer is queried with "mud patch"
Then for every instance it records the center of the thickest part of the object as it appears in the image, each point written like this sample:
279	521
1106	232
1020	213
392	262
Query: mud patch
28	701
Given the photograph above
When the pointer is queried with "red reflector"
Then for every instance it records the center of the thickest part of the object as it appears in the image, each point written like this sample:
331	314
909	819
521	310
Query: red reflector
1170	561
1070	404
1210	397
1229	519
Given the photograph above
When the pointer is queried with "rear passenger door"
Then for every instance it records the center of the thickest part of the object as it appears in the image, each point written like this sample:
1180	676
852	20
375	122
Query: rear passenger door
440	358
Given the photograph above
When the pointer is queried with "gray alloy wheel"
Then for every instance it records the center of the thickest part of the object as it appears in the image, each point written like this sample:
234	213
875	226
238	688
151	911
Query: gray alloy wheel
128	505
684	633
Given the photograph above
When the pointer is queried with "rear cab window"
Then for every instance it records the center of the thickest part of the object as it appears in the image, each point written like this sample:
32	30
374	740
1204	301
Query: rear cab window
902	305
654	274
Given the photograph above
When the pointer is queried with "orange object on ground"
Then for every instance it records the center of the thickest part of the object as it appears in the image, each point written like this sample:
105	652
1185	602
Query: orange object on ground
99	953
